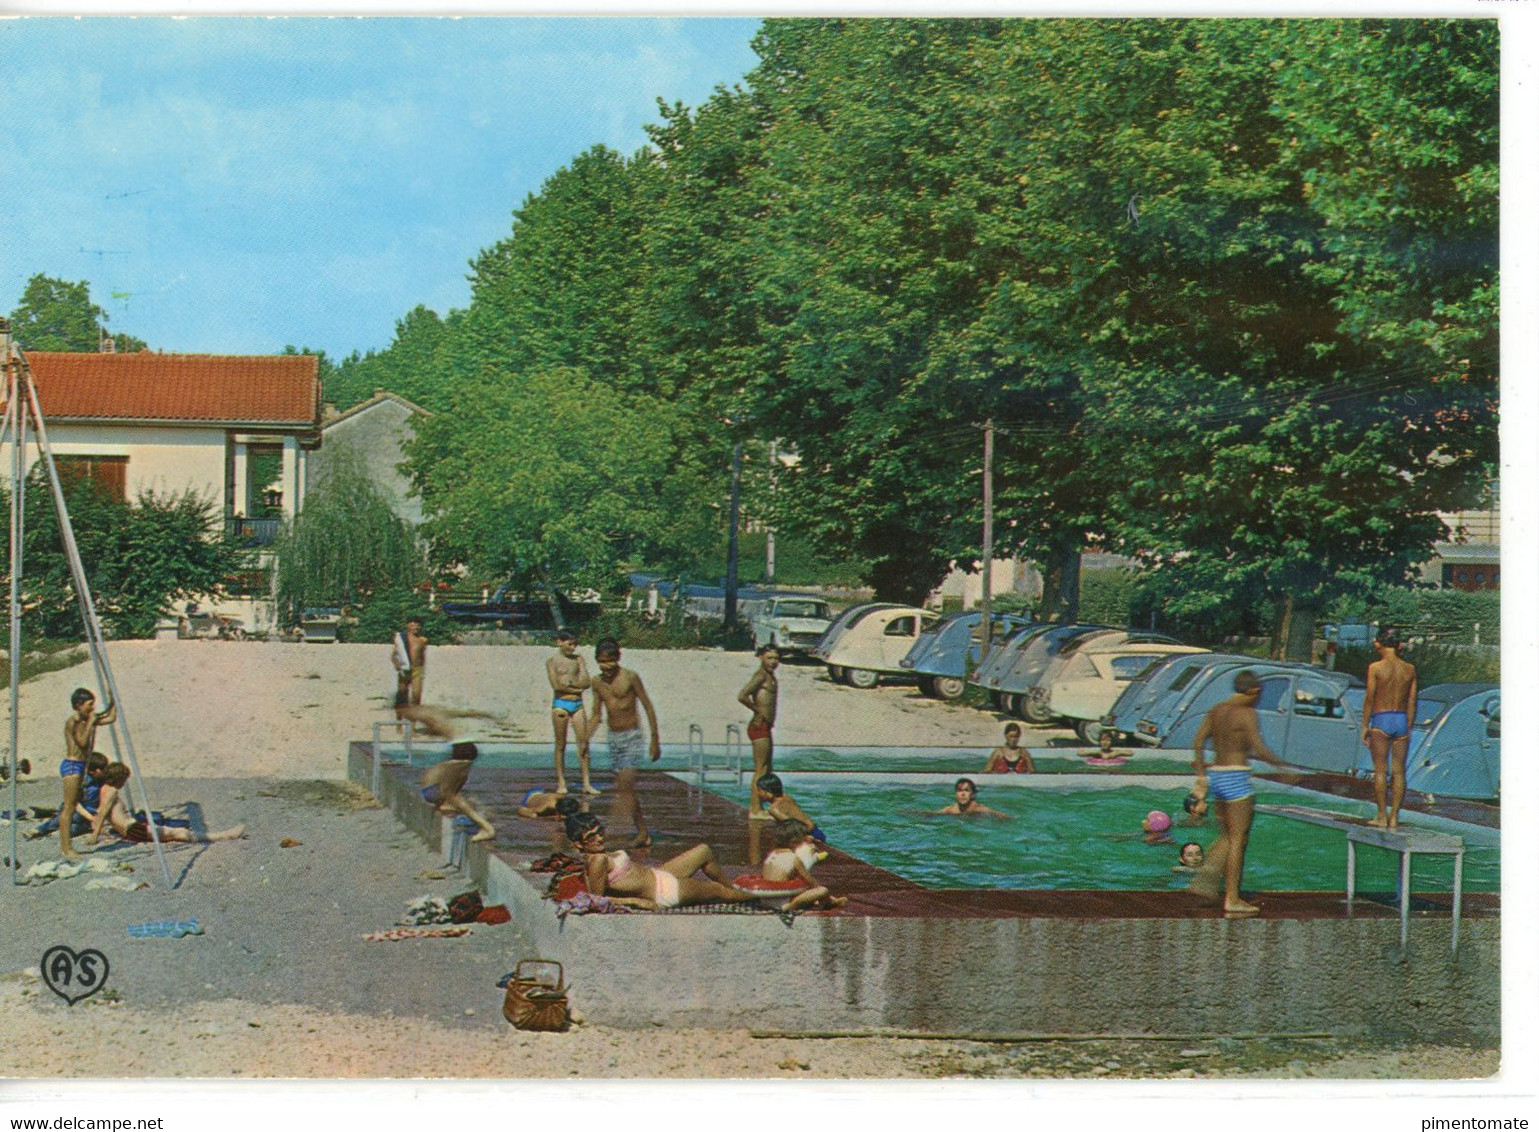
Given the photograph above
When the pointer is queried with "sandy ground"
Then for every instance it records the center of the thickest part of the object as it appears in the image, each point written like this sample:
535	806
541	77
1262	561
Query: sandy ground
281	984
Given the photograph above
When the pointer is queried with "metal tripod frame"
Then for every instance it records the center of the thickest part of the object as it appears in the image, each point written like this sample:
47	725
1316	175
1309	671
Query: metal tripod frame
22	410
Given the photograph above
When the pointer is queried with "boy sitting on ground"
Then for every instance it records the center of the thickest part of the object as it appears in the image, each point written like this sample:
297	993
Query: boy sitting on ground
795	858
442	786
113	811
782	807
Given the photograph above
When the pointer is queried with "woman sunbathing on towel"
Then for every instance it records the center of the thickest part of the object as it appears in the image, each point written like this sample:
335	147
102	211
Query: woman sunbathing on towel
114	811
627	881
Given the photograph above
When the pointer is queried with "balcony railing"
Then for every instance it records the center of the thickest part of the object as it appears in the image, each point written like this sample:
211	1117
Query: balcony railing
252	532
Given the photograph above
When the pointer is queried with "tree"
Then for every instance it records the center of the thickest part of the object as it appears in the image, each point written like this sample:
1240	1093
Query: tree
410	366
561	479
54	315
141	559
344	545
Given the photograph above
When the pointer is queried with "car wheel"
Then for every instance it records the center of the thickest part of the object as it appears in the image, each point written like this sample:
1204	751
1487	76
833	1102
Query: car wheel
927	685
948	687
860	677
1010	704
836	673
1033	710
1089	730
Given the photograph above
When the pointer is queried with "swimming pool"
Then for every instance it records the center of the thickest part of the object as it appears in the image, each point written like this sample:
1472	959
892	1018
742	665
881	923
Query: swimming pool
889	760
1082	832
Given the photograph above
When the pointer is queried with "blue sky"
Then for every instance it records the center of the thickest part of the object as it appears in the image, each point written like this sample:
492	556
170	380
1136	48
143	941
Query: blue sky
235	185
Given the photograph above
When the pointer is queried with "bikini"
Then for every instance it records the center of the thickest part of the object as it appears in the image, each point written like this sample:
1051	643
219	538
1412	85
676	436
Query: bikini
1005	766
664	884
1390	724
1230	783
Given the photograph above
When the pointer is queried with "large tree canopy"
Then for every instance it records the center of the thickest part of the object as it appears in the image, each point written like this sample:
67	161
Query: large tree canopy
57	316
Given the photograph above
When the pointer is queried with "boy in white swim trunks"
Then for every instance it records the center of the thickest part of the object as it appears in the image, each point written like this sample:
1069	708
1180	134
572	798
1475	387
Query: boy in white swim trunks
1236	735
618	690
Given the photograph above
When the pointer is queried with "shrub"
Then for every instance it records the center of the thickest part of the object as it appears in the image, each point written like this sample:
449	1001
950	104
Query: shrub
385	614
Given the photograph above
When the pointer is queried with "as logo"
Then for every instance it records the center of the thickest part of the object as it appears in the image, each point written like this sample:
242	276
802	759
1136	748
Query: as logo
74	976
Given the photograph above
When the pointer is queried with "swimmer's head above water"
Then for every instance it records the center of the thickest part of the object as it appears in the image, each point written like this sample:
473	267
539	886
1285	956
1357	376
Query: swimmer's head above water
770	786
1158	821
1191	855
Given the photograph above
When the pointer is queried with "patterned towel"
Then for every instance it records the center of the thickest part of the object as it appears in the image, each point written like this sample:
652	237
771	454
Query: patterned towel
391	935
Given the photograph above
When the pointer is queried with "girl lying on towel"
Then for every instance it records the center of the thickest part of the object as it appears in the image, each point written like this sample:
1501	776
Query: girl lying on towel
628	881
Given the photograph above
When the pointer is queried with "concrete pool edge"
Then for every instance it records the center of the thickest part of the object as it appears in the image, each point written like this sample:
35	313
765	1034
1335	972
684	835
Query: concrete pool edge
1013	973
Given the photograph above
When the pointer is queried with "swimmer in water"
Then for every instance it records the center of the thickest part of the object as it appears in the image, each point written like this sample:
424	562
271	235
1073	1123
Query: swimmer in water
1010	759
1190	859
967	804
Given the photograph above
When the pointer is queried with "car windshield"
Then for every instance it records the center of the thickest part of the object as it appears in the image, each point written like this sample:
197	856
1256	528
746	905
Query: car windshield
801	609
1429	711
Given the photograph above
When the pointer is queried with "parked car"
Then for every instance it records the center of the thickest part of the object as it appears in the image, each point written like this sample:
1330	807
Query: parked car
942	654
1310	716
1089	681
1456	742
1031	694
533	610
1001	657
1029	665
873	644
840	626
791	624
1174	674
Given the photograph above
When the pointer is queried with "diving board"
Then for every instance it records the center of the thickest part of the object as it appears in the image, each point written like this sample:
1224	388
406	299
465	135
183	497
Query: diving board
1405	841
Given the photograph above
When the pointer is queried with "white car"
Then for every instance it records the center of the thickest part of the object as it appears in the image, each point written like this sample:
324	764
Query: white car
792	624
872	645
1089	682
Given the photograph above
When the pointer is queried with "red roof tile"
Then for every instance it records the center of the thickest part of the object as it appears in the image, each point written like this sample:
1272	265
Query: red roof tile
283	389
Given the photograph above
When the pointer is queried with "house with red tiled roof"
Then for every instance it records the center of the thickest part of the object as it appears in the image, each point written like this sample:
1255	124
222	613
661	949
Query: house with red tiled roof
173	421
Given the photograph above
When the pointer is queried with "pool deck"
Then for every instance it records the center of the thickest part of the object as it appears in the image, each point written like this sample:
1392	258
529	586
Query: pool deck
901	956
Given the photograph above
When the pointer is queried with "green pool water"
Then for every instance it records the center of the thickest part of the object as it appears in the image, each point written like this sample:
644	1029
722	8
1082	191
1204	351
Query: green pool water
897	760
1077	838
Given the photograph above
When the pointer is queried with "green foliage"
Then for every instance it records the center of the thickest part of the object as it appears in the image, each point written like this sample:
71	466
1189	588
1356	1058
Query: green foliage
344	545
54	315
797	562
1106	597
1447	616
635	630
1435	663
564	479
409	367
140	558
385	612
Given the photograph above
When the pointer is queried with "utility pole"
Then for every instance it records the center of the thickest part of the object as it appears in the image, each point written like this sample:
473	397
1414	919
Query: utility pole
988	539
769	532
729	613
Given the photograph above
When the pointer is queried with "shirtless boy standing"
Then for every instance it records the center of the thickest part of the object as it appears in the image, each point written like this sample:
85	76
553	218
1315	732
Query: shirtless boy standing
410	657
79	742
568	680
1236	735
761	695
619	690
1388	712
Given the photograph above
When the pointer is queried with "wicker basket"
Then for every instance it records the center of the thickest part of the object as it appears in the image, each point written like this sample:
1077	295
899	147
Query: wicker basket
536	997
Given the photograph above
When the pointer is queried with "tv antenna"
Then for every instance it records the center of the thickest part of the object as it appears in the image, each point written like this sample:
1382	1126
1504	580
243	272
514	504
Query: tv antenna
20	413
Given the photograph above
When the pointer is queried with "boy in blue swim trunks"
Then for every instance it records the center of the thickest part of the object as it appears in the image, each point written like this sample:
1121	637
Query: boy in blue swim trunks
569	679
1236	735
1388	710
442	786
79	742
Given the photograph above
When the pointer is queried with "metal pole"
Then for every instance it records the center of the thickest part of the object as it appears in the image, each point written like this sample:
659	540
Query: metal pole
13	420
729	613
769	537
988	539
95	639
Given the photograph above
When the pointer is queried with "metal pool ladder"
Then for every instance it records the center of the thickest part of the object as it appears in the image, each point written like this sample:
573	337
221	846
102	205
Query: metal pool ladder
404	728
703	768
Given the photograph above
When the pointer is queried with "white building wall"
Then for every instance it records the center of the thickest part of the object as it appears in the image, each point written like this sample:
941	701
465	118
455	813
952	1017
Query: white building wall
163	459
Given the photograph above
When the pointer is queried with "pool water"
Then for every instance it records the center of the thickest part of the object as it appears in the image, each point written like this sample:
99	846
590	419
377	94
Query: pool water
1066	837
896	760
